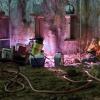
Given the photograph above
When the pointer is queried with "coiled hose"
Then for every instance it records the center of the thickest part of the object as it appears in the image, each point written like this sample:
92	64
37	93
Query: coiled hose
88	82
73	81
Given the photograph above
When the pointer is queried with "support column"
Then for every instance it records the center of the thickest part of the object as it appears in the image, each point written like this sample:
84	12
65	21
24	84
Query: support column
67	28
38	24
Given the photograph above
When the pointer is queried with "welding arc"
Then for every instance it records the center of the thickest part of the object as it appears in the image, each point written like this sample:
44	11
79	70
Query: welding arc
44	91
91	76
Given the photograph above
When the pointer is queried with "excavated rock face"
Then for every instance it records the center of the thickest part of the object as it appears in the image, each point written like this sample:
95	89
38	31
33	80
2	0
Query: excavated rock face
22	25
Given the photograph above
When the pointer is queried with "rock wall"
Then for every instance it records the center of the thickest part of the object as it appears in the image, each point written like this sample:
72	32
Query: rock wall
84	26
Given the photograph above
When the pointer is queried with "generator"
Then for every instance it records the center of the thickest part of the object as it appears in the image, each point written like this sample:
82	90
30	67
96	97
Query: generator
58	59
7	53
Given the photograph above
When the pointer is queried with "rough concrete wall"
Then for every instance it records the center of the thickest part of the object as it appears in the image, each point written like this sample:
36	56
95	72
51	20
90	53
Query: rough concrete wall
22	24
90	20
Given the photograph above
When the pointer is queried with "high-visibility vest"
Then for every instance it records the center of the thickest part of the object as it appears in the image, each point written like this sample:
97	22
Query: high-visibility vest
36	49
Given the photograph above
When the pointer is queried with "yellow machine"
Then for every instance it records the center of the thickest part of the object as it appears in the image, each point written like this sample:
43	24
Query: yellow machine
36	49
37	46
